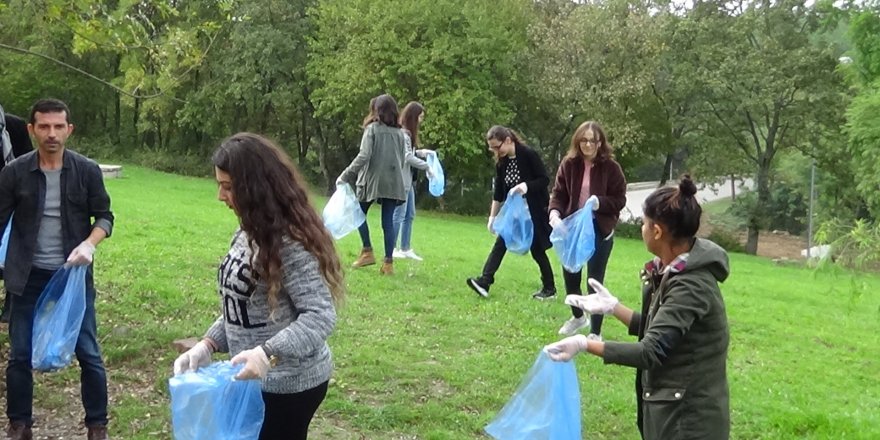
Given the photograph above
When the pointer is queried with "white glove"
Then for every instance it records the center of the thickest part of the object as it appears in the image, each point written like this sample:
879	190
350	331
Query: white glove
198	356
423	152
564	350
256	364
491	222
82	254
554	219
600	303
522	188
595	201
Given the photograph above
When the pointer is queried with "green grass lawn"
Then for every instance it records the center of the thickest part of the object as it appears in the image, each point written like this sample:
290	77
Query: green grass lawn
419	356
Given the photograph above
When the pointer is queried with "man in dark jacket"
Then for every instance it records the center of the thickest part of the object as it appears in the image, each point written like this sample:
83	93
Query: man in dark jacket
55	193
15	142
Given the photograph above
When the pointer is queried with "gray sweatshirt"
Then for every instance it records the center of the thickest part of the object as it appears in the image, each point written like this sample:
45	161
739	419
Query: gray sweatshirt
298	330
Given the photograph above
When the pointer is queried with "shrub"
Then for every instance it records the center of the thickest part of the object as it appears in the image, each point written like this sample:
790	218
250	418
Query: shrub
727	239
631	228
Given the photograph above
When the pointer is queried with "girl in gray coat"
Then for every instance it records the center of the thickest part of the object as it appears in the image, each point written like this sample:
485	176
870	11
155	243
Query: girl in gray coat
377	176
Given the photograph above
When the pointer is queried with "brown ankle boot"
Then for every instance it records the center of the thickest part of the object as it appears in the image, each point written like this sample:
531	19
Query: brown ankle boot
387	268
19	431
98	432
365	259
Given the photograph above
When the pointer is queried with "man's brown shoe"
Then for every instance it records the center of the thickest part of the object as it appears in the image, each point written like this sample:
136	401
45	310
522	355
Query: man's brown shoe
366	258
19	431
98	432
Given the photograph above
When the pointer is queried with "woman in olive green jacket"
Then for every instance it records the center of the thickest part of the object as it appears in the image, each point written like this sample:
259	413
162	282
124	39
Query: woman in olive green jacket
681	355
377	175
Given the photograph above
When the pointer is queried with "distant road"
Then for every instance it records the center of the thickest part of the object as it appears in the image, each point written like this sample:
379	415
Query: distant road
637	192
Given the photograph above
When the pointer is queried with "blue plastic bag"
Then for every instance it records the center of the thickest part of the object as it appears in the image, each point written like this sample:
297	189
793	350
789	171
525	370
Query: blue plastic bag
514	224
5	243
546	406
343	213
208	404
58	318
575	239
437	181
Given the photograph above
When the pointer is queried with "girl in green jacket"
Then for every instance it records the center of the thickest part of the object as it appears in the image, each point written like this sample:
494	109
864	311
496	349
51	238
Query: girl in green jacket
681	353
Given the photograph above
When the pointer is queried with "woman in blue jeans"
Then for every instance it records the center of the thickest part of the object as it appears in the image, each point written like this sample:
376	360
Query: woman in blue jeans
376	174
410	120
589	170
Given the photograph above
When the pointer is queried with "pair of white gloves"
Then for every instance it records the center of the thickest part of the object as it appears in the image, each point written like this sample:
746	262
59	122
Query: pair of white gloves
600	303
555	220
255	360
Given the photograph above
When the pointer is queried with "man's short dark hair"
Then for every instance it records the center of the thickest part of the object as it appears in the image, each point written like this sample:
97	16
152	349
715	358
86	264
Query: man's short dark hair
50	106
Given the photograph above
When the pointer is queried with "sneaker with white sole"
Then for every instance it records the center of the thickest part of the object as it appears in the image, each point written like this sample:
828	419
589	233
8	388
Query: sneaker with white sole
398	254
478	286
594	337
573	325
409	253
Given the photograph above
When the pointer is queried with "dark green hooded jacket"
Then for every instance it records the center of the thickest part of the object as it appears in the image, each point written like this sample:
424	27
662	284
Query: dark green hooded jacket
681	356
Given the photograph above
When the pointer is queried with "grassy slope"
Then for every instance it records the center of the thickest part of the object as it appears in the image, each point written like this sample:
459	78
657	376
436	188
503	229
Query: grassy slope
420	356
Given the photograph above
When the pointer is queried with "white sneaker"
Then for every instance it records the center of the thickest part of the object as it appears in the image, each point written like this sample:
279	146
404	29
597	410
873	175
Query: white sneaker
594	337
573	325
398	254
411	254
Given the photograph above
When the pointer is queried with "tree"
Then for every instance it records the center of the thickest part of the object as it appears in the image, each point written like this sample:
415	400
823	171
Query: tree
770	88
454	56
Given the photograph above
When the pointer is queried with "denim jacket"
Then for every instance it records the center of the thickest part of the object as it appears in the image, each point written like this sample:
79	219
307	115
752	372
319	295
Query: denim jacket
23	192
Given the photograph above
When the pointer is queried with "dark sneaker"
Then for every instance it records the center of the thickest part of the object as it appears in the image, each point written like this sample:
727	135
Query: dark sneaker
478	286
544	293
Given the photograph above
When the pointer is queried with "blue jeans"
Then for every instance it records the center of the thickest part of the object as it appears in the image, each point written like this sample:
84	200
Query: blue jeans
19	377
596	270
403	220
388	206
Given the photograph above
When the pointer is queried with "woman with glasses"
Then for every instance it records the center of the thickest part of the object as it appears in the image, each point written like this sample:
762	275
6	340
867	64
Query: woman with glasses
519	169
589	170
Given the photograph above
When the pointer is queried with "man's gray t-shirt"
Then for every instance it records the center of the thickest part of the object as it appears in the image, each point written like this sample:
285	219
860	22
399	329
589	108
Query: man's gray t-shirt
50	243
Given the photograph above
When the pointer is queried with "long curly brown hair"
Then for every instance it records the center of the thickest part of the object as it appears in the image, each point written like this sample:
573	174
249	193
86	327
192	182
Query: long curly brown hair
271	202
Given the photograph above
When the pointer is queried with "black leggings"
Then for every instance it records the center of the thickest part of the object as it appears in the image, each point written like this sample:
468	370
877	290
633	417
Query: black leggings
596	270
288	415
497	254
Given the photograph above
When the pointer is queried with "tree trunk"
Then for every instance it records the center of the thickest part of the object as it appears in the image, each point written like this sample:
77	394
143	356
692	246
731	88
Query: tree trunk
763	187
667	170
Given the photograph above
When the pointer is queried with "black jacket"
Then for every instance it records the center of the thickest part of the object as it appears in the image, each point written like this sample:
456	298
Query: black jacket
23	191
18	136
533	173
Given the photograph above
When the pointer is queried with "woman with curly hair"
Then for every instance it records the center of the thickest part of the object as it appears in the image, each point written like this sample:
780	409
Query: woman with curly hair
278	285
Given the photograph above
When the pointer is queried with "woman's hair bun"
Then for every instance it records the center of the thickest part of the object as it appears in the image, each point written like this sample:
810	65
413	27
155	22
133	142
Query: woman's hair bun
687	187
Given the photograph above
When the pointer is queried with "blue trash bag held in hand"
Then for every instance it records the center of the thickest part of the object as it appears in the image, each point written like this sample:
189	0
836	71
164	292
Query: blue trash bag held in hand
514	224
343	213
546	406
436	182
208	404
4	244
575	239
58	318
